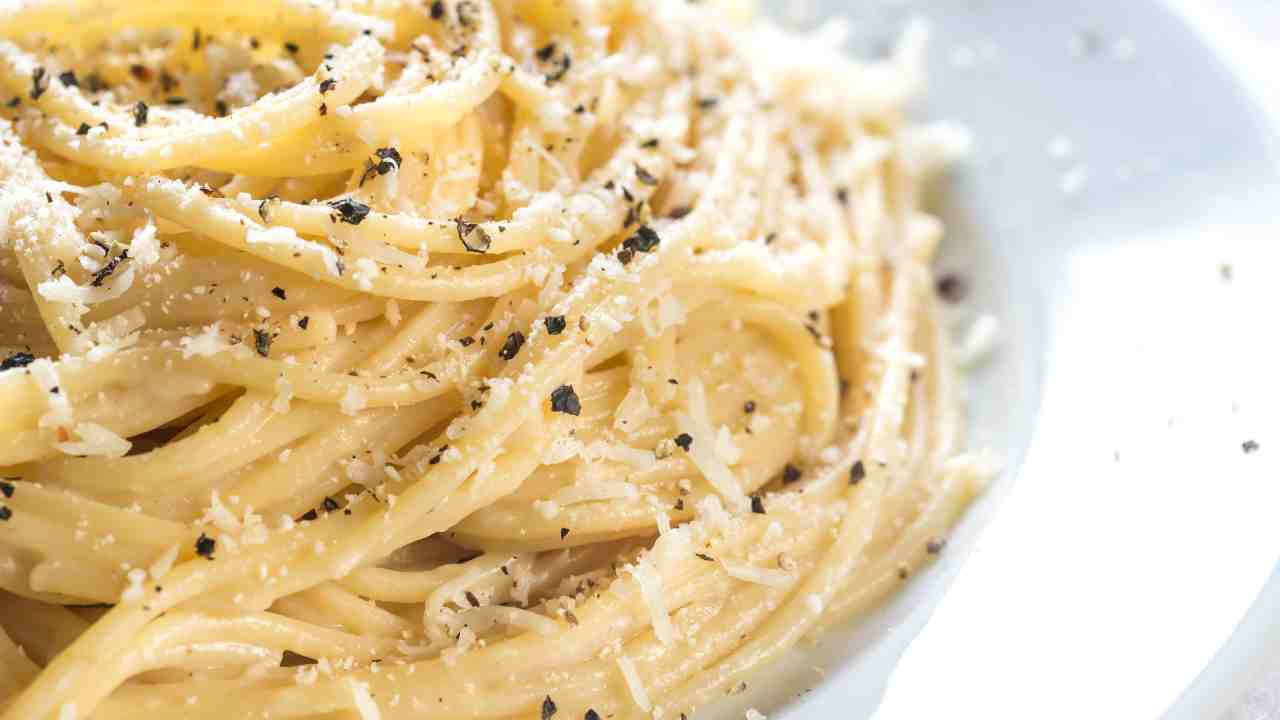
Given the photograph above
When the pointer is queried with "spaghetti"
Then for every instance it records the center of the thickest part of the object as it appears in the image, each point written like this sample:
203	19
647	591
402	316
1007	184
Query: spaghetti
456	358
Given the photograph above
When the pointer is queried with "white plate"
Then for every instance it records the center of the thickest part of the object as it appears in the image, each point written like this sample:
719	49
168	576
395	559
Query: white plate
1133	535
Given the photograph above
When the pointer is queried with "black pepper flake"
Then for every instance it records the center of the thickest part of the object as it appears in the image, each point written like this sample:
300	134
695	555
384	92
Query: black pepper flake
205	546
644	176
684	441
472	599
790	474
704	557
38	76
467	341
388	160
625	255
649	144
437	10
196	39
545	52
549	705
83	129
565	63
903	572
105	271
952	288
262	342
264	207
1250	446
555	324
5	513
68	79
350	211
935	546
324	109
512	346
563	533
309	515
278	292
140	112
679	504
842	195
292	47
141	73
857	473
473	237
645	240
327	85
591	715
293	659
707	103
6	488
220	108
175	100
435	459
679	213
330	504
17	360
565	400
757	505
749	407
304	322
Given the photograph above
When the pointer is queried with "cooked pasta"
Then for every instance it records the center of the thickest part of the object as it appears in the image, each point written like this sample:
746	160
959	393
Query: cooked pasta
391	359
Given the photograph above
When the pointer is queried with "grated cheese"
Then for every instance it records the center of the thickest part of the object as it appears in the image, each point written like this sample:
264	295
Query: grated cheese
757	575
64	290
586	490
95	440
634	684
133	591
366	271
365	706
651	591
208	343
45	373
145	247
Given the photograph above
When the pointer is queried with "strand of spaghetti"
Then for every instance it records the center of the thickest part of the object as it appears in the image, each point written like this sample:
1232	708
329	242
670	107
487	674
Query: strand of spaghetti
281	245
797	616
279	18
206	141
